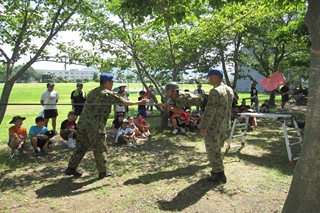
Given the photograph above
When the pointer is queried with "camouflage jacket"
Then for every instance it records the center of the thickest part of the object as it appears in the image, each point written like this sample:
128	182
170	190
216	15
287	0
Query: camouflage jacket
97	109
186	99
217	114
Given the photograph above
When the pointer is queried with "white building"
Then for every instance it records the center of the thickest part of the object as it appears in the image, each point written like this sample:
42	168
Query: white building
244	84
72	74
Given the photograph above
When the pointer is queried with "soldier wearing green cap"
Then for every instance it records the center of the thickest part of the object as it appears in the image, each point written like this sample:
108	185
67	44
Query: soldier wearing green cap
178	100
215	123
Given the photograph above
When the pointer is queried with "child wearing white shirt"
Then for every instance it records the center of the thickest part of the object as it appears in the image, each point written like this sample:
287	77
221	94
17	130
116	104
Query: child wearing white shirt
125	135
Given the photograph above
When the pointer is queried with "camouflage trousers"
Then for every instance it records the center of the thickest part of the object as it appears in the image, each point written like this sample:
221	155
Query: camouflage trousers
214	142
85	140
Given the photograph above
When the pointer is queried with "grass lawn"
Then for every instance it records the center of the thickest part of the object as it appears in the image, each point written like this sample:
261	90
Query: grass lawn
166	174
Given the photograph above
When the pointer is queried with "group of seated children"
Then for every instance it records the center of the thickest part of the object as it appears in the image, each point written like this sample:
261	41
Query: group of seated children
39	137
126	134
125	130
185	120
255	107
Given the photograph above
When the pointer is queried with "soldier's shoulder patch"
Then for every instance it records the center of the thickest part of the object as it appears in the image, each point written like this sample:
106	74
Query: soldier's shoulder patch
184	95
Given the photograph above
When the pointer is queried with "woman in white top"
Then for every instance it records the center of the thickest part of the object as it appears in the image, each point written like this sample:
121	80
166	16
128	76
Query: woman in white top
119	109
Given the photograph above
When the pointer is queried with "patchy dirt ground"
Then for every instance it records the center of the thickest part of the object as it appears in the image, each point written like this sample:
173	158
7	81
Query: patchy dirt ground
166	174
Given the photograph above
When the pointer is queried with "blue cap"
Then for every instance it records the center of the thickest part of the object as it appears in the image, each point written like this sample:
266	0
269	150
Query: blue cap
107	77
49	84
215	71
194	111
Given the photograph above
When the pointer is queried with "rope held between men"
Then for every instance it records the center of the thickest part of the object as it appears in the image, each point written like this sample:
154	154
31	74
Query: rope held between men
97	104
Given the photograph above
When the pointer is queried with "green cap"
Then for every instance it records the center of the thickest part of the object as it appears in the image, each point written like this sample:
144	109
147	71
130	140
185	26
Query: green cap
172	86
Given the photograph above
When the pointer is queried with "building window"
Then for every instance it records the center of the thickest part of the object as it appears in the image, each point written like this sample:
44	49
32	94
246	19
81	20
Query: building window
66	73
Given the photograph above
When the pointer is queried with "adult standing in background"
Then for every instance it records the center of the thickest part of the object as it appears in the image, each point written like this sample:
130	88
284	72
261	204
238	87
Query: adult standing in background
92	126
253	93
78	97
215	123
126	97
284	91
148	95
49	100
199	91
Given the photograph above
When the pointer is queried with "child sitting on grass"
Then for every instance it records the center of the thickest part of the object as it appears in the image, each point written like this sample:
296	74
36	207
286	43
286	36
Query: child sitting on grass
134	127
68	129
142	125
265	107
39	138
126	135
116	124
18	136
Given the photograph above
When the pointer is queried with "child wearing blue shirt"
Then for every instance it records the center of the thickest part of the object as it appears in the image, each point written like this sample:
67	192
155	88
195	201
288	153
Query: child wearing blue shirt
38	137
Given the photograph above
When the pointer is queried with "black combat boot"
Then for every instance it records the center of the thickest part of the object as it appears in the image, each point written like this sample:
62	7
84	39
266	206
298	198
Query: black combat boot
105	174
73	171
217	177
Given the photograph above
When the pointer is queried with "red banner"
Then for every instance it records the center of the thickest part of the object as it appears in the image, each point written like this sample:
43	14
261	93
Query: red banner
272	83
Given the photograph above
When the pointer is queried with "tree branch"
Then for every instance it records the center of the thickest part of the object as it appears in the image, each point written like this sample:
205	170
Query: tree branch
58	13
45	43
5	55
20	38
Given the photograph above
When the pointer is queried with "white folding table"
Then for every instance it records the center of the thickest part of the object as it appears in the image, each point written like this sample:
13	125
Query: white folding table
282	117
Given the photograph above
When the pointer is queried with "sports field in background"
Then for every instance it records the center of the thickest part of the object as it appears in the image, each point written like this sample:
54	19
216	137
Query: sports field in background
31	92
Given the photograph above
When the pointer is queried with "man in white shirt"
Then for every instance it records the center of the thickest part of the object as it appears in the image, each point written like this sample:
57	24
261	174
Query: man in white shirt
48	100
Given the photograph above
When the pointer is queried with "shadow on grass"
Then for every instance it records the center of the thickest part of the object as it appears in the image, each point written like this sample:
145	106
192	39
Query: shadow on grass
191	195
180	172
65	187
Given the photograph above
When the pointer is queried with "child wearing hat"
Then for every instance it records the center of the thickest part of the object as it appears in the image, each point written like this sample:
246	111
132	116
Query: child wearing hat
125	135
18	136
68	129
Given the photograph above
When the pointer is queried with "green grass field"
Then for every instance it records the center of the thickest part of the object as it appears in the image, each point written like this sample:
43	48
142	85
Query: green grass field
31	92
166	174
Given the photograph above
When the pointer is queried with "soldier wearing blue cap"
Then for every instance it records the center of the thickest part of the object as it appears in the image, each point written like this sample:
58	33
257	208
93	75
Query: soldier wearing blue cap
91	126
215	123
78	97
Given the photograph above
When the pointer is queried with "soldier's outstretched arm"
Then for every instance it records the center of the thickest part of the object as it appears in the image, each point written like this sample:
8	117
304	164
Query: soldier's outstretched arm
129	103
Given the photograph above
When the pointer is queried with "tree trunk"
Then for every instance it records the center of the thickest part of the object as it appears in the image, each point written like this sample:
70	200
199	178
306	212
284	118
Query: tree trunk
304	191
272	102
5	97
164	118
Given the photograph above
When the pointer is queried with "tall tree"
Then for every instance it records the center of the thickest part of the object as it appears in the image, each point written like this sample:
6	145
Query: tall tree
304	192
21	23
275	41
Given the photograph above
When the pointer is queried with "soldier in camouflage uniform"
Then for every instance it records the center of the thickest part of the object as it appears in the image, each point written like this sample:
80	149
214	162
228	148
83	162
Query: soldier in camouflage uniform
91	126
215	123
178	100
